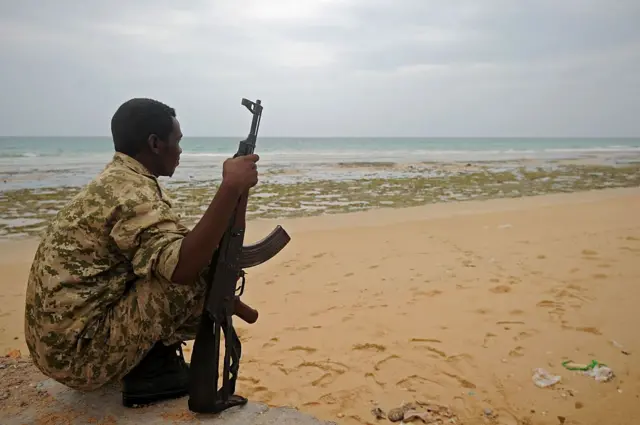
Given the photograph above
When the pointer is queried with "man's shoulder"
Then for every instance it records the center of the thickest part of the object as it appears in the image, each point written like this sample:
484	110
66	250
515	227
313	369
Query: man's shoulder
122	181
116	190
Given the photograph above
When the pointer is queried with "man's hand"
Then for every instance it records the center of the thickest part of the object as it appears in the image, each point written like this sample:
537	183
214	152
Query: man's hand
240	173
238	176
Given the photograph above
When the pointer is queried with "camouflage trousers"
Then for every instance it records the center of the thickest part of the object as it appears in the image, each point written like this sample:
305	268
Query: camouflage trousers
151	310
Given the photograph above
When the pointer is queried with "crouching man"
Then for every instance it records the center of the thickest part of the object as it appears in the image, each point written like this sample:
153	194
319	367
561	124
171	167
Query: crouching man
116	283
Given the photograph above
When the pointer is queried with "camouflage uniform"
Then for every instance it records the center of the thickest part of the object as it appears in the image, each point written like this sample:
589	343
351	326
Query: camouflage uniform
99	293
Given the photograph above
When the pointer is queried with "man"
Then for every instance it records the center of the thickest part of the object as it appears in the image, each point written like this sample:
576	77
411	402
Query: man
115	287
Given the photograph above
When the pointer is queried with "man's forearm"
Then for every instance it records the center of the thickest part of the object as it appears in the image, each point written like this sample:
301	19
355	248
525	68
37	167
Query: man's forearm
198	246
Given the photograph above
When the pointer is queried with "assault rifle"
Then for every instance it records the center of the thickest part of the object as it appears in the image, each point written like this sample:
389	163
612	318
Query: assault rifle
223	300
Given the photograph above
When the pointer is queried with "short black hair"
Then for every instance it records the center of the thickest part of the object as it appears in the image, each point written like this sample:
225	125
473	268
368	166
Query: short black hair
138	118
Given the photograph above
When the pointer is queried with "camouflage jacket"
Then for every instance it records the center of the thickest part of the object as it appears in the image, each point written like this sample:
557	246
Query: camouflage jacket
119	228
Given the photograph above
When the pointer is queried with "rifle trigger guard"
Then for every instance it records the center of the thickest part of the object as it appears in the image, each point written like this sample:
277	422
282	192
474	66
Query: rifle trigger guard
241	275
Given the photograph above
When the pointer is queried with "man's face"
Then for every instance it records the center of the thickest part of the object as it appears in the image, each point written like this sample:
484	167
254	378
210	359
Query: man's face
168	151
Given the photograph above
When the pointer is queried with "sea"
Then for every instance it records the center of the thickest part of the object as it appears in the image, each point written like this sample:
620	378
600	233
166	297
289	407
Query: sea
38	162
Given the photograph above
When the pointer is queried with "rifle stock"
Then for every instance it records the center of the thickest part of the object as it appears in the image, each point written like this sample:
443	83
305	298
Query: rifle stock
223	300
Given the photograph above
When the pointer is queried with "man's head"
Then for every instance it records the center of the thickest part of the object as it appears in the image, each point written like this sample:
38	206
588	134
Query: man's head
148	131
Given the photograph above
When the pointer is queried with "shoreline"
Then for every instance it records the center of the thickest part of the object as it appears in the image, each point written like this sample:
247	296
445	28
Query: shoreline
383	216
23	212
455	302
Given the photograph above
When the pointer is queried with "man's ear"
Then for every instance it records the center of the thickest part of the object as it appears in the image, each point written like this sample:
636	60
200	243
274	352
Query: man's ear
154	143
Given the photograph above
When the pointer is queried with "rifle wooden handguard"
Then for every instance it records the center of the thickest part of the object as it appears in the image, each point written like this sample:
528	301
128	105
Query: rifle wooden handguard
245	312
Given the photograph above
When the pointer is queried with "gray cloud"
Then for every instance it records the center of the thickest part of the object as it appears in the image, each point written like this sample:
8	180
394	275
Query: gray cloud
326	67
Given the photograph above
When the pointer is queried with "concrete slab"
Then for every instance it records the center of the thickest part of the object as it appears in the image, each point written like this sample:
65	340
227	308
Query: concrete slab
42	401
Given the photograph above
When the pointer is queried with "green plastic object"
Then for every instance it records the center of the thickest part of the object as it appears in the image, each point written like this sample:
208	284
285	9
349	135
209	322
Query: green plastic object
590	366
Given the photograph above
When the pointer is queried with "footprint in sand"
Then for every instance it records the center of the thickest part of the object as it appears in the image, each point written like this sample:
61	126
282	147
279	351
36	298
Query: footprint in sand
487	339
320	255
525	335
509	322
463	382
420	345
589	329
468	263
369	347
556	309
259	392
272	342
381	370
431	293
547	304
374	378
505	324
378	364
253	380
571	292
293	328
436	341
329	371
316	313
414	383
500	289
514	280
517	352
308	350
628	248
281	367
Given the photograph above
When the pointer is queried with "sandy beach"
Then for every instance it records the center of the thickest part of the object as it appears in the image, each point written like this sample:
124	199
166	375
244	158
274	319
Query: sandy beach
455	303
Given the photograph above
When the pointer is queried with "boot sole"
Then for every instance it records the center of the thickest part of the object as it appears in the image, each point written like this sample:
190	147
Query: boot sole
139	400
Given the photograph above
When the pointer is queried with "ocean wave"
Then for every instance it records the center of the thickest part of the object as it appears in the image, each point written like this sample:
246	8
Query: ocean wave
596	149
379	151
20	154
205	154
30	160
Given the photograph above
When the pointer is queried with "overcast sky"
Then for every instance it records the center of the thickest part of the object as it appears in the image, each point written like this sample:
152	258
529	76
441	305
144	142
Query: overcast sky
326	67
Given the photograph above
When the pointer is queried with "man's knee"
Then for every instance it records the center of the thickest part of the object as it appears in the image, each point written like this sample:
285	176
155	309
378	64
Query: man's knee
89	366
156	310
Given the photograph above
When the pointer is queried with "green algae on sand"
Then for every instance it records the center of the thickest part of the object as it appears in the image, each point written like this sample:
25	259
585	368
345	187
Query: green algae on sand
27	211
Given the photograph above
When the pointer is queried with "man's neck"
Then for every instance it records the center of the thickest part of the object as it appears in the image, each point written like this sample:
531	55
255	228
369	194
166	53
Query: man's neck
146	163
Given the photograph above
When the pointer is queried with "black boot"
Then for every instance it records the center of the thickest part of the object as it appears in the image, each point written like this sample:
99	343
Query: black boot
161	375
